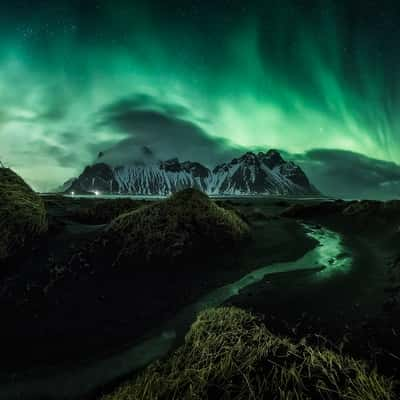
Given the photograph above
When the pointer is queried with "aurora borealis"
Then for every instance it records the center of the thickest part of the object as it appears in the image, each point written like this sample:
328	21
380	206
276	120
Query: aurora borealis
79	77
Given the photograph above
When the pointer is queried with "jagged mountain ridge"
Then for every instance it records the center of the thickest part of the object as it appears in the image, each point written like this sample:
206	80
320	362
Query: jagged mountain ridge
261	173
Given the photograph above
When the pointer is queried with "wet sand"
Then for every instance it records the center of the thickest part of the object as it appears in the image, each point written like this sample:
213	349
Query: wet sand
348	309
97	311
71	383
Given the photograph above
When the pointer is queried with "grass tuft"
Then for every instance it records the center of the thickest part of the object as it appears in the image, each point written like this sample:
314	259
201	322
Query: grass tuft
229	354
22	213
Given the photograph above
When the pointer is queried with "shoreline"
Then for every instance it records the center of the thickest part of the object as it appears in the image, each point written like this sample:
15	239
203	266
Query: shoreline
354	322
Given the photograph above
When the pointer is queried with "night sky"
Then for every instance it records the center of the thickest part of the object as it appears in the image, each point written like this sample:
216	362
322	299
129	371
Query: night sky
202	80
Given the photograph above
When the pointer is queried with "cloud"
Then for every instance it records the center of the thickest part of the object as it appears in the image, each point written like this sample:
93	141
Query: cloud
143	101
347	174
41	150
169	130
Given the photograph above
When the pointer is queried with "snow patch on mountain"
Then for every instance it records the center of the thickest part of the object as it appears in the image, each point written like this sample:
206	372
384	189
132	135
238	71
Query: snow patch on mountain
262	173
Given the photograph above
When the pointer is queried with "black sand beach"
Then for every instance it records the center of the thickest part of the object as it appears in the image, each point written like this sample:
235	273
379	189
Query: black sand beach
66	318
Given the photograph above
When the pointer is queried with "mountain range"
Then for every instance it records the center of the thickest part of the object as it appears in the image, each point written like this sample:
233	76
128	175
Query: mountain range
252	173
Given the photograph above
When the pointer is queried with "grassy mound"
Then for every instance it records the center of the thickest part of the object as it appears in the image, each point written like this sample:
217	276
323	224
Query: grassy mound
22	213
104	211
186	224
229	354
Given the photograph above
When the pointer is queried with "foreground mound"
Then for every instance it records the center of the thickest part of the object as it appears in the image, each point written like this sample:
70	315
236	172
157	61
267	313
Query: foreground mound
186	224
229	354
22	213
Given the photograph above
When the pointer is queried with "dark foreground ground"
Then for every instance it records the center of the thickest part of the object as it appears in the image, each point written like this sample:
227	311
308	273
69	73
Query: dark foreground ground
54	312
356	312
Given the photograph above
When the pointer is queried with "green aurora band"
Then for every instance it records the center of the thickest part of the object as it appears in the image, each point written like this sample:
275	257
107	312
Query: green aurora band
287	75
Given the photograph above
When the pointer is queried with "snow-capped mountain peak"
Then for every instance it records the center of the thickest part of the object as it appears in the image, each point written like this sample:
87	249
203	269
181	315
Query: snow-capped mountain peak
262	173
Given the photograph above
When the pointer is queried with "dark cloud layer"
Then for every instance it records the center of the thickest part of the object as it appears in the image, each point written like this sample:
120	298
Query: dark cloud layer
347	174
164	129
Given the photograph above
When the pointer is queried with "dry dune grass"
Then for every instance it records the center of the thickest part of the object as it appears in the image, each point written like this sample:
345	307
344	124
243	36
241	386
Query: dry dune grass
22	213
230	354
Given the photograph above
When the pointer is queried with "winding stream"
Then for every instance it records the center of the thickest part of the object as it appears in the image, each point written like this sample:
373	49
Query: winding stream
326	259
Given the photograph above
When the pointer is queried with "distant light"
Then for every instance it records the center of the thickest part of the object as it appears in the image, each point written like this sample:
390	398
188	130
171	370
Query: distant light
72	193
96	192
